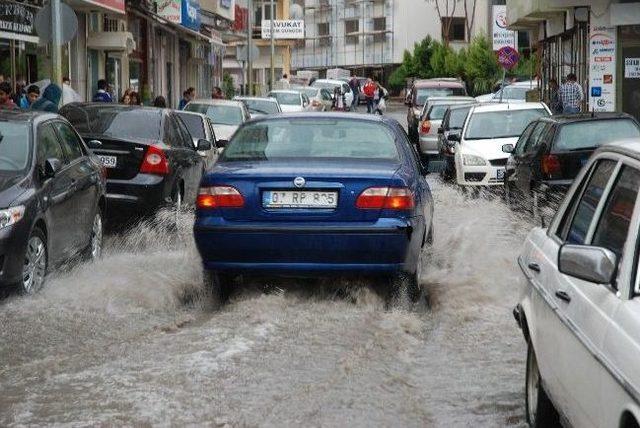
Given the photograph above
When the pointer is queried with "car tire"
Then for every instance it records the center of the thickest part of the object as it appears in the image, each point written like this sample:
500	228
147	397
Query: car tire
219	287
404	290
539	409
35	266
94	251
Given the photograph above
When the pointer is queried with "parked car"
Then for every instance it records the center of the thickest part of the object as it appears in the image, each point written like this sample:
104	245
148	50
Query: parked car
321	99
421	91
579	309
258	106
315	194
330	85
290	100
552	150
479	159
52	198
452	123
430	121
513	92
149	155
200	127
226	115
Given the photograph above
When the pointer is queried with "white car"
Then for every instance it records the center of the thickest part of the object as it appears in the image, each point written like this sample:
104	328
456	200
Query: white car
580	304
331	85
201	128
226	115
514	92
259	106
291	101
479	158
321	99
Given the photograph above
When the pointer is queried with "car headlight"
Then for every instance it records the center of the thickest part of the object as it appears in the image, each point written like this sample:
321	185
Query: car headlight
473	160
11	216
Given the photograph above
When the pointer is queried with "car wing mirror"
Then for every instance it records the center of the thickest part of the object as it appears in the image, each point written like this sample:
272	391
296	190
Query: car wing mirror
222	143
51	167
454	136
94	144
204	145
440	130
593	264
507	148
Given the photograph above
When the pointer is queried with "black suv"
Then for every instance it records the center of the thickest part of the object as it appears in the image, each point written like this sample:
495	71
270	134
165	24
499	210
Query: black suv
552	150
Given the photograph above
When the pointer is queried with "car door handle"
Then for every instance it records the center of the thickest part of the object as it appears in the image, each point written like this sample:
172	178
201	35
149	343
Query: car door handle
563	295
534	267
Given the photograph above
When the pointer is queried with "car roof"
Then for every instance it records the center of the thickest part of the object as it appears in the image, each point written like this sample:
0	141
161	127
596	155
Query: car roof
371	118
437	83
587	117
116	106
506	106
454	98
25	115
243	98
284	91
211	101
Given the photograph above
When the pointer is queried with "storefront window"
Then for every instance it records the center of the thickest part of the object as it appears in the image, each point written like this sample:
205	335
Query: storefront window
630	60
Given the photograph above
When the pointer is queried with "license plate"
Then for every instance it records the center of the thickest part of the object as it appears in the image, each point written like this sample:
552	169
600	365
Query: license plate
500	174
109	161
299	199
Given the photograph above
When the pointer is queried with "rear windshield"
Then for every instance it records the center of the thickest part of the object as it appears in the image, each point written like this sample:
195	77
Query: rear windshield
437	112
501	124
14	146
310	92
261	106
457	117
285	98
513	93
594	133
312	139
120	123
194	125
425	93
218	113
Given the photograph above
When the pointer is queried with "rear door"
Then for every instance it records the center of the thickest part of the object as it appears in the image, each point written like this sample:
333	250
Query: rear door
514	161
191	164
528	157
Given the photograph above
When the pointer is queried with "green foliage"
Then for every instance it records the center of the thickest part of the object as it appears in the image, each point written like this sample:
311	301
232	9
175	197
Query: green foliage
481	65
228	89
398	78
526	67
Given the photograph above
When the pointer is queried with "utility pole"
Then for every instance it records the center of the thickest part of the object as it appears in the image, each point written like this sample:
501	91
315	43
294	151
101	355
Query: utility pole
273	48
56	43
249	48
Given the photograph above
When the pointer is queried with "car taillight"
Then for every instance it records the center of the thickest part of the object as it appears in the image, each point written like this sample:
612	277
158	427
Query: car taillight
551	165
425	127
155	162
219	197
393	198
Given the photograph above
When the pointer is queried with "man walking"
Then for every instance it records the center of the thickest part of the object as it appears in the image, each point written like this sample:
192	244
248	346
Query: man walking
354	84
102	96
571	95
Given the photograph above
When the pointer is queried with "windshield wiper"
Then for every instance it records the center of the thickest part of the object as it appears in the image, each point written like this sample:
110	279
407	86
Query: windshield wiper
257	110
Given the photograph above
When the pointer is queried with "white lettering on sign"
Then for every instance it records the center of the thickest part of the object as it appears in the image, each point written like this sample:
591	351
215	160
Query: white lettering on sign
502	36
283	29
632	68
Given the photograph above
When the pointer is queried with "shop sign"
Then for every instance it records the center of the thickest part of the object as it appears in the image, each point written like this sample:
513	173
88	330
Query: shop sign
502	36
191	14
17	18
602	68
632	68
283	29
171	10
241	18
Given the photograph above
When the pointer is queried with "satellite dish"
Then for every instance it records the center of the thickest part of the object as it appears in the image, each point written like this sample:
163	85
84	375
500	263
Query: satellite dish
68	23
296	12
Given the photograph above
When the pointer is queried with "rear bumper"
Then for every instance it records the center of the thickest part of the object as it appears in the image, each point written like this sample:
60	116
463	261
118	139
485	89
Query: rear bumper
428	144
388	245
141	194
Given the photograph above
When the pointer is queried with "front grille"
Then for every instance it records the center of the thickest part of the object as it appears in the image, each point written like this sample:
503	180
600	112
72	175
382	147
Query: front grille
474	176
498	162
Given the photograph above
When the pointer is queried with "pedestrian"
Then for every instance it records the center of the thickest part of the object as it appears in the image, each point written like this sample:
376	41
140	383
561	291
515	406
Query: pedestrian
50	99
284	82
126	98
102	96
187	96
554	97
160	102
339	100
217	94
369	91
381	103
69	95
5	96
354	84
571	95
33	93
135	99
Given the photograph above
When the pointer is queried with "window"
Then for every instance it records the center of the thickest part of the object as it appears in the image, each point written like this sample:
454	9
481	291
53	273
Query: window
113	121
351	26
380	27
611	232
522	141
15	147
454	29
70	142
220	114
576	232
536	137
48	146
592	134
194	125
500	124
457	118
185	137
171	135
324	37
263	11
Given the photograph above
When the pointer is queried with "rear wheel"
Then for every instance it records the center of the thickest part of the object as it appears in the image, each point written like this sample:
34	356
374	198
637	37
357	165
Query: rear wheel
35	263
94	250
404	290
540	411
219	285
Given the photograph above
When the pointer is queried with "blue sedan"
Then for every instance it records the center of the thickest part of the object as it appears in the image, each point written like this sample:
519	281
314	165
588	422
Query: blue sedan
315	194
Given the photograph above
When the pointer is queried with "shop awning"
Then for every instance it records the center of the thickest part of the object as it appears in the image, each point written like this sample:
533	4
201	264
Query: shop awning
150	16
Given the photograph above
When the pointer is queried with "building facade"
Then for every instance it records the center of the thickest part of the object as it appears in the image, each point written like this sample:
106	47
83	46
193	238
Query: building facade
597	40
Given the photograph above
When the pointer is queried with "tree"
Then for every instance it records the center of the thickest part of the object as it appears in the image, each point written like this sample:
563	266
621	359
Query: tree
446	10
481	66
469	18
228	88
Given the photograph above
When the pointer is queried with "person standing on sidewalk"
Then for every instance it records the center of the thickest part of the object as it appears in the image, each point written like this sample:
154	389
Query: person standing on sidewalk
102	96
369	92
554	97
6	102
571	95
354	84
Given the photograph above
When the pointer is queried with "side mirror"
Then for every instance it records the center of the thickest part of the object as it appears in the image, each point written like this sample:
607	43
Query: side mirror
454	136
593	264
440	130
222	143
51	167
204	145
507	148
94	144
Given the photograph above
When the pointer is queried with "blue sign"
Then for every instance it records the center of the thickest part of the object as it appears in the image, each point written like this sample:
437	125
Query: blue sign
191	14
596	91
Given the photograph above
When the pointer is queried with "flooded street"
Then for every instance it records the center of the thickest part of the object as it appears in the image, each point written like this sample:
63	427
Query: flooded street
130	340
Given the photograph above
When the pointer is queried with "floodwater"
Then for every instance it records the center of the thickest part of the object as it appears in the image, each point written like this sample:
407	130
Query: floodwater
130	340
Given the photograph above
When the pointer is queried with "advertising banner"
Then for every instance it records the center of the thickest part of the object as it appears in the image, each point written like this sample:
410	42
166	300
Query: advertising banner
602	69
171	10
501	35
191	14
283	29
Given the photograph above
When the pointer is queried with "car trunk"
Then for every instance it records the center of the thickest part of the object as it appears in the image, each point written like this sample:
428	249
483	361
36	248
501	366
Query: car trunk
344	179
127	155
565	165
